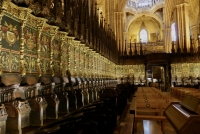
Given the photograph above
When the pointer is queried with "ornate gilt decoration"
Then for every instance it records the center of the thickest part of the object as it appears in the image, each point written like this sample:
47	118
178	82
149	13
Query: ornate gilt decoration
10	33
15	11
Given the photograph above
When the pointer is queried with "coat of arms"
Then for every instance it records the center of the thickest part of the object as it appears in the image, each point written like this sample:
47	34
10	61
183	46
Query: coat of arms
30	39
10	33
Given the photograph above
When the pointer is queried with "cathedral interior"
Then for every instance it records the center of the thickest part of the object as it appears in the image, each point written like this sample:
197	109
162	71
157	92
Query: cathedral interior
99	66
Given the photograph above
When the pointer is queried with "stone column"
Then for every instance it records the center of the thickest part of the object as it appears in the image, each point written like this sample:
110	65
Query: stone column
168	40
183	25
194	33
119	25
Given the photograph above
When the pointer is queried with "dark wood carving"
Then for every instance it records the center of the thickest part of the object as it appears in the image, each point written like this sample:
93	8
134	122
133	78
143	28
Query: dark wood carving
47	90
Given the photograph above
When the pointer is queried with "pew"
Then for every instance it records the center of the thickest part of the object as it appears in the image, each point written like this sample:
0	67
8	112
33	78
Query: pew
150	105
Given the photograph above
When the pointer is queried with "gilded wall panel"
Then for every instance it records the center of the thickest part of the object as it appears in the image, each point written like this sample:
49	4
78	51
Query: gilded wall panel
45	66
185	70
15	65
71	55
5	58
56	44
56	50
30	64
30	45
56	67
45	53
10	33
10	55
10	61
45	46
64	59
130	71
65	53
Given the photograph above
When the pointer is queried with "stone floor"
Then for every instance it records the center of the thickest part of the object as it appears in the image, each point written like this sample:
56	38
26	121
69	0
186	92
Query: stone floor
125	124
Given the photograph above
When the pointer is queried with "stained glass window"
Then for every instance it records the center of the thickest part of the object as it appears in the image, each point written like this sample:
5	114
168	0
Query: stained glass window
143	35
141	3
173	32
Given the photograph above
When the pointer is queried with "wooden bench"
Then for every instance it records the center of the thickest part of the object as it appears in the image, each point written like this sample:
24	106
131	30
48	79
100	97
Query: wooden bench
150	105
151	127
152	111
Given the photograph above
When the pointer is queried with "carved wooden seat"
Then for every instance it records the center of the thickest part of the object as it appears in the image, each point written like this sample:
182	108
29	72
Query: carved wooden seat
95	89
37	103
85	91
58	89
71	93
46	90
90	90
17	107
79	92
68	124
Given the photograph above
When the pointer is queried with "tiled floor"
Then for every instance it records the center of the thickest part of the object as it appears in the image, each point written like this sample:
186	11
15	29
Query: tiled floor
125	124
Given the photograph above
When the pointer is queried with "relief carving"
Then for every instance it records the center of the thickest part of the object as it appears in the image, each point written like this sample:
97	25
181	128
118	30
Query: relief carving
23	107
3	113
10	33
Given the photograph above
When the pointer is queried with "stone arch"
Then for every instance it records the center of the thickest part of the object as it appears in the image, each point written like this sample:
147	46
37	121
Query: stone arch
140	15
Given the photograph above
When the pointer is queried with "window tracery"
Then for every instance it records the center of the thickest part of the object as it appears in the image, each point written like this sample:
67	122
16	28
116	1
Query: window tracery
141	3
173	32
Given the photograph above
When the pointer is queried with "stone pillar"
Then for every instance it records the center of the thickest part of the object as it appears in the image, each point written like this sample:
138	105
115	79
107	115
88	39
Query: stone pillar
119	25
183	25
194	33
168	40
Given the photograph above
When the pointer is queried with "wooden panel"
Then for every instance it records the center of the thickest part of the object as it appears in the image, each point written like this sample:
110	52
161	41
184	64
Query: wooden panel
151	127
45	53
182	119
10	33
